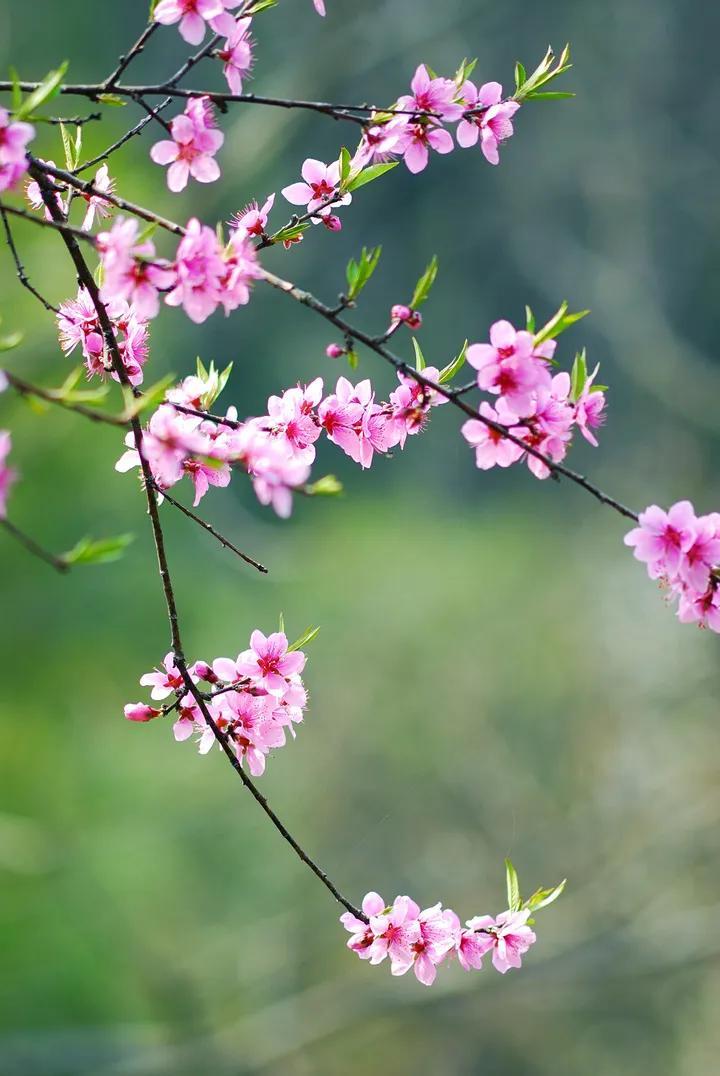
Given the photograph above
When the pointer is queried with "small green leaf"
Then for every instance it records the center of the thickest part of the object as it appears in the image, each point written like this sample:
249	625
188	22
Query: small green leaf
520	75
345	162
551	95
558	323
578	377
369	174
307	637
103	551
353	358
7	343
420	363
529	320
289	233
424	284
281	624
542	897
112	99
513	887
359	272
48	88
448	372
327	486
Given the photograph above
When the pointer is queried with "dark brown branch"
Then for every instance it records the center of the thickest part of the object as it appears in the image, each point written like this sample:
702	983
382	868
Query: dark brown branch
42	222
86	279
211	530
24	388
58	563
125	61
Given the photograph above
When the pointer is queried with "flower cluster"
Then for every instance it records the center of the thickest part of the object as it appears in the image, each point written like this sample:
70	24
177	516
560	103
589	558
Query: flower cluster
78	325
540	410
682	551
319	191
7	474
253	701
192	148
416	123
421	940
205	274
14	138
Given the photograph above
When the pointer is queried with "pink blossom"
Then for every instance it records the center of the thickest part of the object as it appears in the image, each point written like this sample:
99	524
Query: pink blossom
193	16
436	939
104	183
590	409
341	415
241	269
164	681
417	141
292	418
396	932
663	538
130	270
199	269
139	711
487	117
402	313
432	95
508	936
7	475
14	137
268	663
319	6
237	55
380	141
253	219
701	609
511	366
321	187
34	195
492	449
78	325
362	934
195	141
168	441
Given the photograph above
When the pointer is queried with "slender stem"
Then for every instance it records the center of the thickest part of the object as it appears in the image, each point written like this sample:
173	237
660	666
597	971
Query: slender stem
58	563
125	61
86	279
60	225
20	268
24	388
211	530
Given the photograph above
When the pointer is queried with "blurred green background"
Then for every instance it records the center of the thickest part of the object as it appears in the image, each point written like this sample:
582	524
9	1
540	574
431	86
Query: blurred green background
494	676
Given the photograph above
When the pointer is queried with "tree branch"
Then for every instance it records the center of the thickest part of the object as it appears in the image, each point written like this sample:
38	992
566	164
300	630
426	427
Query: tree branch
58	563
211	530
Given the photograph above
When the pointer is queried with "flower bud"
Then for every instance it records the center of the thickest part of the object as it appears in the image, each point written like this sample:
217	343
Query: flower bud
332	223
138	711
334	351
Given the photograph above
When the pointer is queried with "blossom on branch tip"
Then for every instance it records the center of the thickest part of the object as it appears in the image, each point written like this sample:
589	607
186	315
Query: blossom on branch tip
487	117
237	55
98	206
194	15
253	218
191	151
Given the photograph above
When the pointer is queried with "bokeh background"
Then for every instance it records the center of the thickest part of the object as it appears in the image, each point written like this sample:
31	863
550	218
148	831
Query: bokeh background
494	676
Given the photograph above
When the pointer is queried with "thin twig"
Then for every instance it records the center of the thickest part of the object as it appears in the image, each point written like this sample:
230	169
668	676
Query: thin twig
43	222
58	563
211	530
20	268
125	61
24	388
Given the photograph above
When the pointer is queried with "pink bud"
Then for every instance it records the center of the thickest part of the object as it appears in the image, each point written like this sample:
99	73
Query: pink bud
400	312
415	320
138	711
332	223
202	670
334	351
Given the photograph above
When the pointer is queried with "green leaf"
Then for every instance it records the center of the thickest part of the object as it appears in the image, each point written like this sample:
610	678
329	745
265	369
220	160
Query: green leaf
48	88
359	272
327	486
154	395
103	551
578	377
260	5
420	363
542	897
345	163
424	284
520	75
529	320
513	887
290	232
558	323
448	372
112	99
281	624
307	637
353	358
7	343
552	95
547	70
369	174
